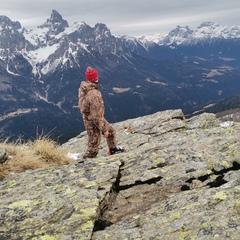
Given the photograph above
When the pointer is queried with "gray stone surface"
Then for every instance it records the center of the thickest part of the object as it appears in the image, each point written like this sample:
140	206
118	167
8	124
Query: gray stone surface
3	155
178	179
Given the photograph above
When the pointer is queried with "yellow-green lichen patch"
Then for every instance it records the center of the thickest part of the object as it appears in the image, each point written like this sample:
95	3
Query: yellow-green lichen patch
36	203
101	163
225	164
166	169
237	201
88	212
175	215
90	185
184	235
95	202
203	172
189	206
220	195
11	184
205	225
70	191
87	226
23	203
165	220
158	160
211	166
39	233
106	236
48	237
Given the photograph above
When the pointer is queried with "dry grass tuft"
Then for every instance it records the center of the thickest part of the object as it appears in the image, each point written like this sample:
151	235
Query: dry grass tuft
41	153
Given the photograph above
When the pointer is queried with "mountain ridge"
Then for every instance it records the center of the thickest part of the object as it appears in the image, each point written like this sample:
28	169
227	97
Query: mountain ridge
49	37
186	35
42	69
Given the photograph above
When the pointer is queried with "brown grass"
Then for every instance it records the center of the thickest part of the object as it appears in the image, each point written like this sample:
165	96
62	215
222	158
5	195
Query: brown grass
41	153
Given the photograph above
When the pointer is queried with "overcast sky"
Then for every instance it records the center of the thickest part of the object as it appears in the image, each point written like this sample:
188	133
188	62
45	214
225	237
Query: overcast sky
130	17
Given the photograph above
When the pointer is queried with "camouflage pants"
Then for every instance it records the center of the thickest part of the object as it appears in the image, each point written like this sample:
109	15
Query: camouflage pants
94	136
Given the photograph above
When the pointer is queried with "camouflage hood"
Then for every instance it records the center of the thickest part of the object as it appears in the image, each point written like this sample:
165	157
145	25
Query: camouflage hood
87	86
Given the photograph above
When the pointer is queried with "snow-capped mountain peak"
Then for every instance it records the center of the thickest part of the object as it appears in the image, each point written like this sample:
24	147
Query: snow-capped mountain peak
45	33
214	30
56	44
55	24
185	35
6	22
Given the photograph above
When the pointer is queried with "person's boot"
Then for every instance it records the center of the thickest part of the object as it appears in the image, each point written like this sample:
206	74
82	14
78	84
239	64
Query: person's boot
89	154
115	150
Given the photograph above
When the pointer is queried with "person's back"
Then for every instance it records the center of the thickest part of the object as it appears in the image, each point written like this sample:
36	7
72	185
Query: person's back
91	102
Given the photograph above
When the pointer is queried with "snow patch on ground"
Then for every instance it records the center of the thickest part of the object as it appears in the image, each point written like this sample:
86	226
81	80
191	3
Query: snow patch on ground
227	124
74	156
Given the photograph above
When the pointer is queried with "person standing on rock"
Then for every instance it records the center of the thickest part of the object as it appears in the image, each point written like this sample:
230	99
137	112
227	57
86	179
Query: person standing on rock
92	109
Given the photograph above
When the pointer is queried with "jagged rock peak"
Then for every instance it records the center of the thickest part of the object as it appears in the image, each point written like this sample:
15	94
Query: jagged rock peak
10	35
5	21
181	31
55	23
57	18
101	28
208	24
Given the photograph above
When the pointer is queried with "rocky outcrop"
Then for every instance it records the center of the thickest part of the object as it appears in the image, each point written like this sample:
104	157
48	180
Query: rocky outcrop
178	179
3	155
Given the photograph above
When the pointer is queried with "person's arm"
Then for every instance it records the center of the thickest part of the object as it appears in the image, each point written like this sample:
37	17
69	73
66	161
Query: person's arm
84	106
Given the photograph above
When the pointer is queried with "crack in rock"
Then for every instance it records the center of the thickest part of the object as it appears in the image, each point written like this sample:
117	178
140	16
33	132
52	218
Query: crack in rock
125	200
214	182
113	208
139	182
101	222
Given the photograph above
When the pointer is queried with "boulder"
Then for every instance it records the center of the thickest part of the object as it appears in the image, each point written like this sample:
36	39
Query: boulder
3	155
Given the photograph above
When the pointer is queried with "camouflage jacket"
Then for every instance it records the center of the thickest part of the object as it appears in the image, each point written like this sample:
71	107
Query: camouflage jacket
91	104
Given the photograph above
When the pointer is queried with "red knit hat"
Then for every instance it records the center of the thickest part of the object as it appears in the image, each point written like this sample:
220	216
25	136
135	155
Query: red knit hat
91	74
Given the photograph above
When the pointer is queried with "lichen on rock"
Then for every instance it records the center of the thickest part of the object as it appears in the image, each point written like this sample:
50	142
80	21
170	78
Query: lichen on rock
178	179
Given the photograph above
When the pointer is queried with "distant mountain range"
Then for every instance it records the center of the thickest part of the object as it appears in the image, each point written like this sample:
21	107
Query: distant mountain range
41	69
